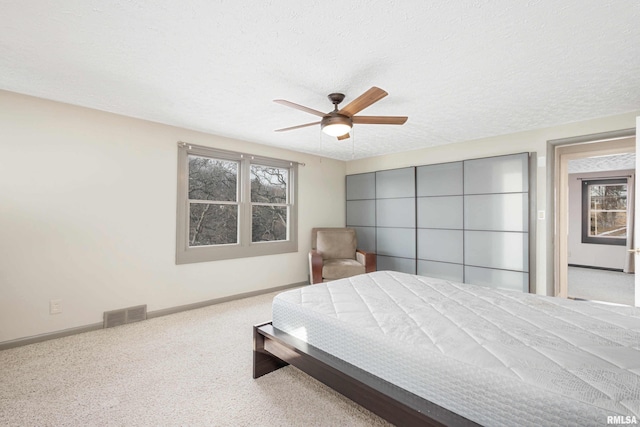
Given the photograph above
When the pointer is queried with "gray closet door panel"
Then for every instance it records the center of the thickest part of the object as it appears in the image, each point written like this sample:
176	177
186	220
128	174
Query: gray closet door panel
439	180
395	183
499	212
441	270
502	174
441	245
396	212
403	265
361	212
500	279
399	242
460	221
440	212
361	186
496	249
366	238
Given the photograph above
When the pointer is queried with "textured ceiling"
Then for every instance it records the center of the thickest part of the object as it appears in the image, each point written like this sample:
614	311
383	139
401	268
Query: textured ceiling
460	70
613	162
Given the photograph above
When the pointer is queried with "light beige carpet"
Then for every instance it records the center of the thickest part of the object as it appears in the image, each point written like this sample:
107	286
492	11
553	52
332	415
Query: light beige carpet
186	369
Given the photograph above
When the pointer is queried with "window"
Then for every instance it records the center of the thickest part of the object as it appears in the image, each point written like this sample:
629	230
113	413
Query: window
269	208
233	205
604	211
213	201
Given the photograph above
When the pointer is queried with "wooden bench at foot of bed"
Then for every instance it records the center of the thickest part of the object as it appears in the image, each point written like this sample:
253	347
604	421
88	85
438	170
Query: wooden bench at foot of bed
273	349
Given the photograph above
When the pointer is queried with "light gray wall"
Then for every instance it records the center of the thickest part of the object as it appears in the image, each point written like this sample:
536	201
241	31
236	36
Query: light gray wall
607	256
88	215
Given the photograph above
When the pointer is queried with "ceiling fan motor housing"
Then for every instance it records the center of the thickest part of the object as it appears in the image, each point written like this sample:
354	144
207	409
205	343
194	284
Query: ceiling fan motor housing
337	119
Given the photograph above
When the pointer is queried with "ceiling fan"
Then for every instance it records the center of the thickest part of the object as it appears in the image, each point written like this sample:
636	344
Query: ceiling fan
338	123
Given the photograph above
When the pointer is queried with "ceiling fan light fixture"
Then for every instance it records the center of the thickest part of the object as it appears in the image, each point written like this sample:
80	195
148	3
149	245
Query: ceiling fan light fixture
336	125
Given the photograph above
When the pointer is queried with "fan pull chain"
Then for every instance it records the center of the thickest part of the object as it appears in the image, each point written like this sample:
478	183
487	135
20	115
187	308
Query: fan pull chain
353	145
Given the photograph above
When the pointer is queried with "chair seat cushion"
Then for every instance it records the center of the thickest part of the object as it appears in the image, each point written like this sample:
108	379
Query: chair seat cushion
340	268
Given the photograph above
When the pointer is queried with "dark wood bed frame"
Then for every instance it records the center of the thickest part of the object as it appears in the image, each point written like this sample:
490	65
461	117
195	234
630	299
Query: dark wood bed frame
273	349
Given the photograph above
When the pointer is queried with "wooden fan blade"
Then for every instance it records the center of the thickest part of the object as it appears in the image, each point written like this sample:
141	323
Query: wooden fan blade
380	120
299	107
297	127
374	94
345	136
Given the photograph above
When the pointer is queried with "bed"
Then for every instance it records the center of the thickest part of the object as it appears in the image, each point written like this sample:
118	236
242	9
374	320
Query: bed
424	351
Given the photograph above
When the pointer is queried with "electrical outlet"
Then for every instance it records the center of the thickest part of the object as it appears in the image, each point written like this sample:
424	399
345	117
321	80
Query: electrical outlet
55	306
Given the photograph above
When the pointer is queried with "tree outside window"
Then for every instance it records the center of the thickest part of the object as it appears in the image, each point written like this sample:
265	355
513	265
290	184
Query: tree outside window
269	211
213	201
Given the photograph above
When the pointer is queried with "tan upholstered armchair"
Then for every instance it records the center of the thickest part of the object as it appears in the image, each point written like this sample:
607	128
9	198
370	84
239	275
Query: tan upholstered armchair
334	255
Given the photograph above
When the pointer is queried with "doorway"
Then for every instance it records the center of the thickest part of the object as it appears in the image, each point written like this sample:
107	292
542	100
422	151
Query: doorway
594	183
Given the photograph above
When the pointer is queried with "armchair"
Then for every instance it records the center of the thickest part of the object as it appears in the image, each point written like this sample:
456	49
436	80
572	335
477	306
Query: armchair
334	255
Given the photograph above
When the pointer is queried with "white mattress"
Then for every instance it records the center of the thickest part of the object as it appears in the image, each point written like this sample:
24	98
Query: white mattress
495	357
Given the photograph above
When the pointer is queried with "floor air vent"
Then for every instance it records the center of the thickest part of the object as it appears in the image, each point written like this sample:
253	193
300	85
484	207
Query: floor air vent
124	316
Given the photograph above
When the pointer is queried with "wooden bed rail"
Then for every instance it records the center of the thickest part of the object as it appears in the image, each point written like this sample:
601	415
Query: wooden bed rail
273	349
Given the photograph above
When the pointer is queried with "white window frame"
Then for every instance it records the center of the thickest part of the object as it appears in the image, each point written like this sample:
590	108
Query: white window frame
186	254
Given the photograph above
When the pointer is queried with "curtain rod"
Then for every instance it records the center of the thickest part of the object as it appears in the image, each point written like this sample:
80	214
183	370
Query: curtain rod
604	178
189	146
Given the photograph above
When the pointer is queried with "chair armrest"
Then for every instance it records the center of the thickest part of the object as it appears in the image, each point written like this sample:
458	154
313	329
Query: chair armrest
368	259
315	267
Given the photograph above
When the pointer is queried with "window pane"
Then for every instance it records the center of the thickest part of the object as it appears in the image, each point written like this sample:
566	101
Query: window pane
269	184
211	224
269	223
607	210
212	179
608	197
608	224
